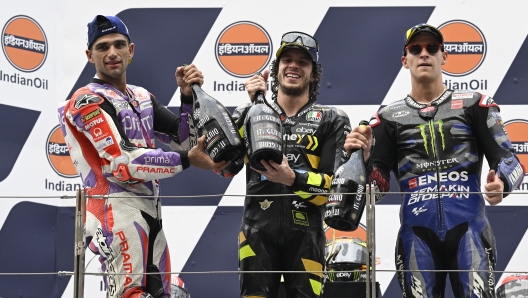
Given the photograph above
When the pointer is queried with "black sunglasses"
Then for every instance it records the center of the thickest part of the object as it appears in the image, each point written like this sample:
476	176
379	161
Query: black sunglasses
416	49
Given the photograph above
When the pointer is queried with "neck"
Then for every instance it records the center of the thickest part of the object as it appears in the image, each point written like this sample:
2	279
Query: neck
118	83
426	92
291	104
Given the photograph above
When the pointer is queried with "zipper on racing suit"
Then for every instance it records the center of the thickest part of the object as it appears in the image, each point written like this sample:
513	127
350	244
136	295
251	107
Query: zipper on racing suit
286	129
435	149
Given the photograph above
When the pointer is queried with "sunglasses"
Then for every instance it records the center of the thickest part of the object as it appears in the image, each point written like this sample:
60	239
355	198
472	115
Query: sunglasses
303	39
416	49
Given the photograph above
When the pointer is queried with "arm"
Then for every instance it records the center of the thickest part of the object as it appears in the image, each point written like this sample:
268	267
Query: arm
91	117
486	122
383	155
177	132
303	183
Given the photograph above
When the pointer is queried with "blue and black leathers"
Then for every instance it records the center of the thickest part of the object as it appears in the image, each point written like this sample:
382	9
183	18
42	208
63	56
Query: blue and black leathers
436	153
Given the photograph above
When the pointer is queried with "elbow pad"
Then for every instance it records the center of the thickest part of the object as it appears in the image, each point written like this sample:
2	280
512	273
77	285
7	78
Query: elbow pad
121	172
511	171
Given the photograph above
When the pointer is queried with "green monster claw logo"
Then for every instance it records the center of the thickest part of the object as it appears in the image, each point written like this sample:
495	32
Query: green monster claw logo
430	127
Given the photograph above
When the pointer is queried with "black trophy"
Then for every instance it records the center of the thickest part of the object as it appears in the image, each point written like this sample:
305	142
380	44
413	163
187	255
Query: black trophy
263	133
212	119
344	211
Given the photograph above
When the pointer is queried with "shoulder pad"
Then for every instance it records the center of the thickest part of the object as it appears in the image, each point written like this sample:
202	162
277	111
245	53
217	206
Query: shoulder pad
82	100
487	101
375	120
341	112
397	105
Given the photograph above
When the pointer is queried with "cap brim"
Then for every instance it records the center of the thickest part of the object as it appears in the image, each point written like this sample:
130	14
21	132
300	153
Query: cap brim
427	30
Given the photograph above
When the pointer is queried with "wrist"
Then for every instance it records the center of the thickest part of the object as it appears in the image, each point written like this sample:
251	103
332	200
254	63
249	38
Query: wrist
292	179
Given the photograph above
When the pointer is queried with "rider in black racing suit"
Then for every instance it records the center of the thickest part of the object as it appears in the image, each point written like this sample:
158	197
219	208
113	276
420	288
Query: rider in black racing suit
284	232
292	224
439	149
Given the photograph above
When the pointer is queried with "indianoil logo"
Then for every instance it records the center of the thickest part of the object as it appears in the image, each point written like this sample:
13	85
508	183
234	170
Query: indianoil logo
24	43
516	130
243	48
59	155
466	46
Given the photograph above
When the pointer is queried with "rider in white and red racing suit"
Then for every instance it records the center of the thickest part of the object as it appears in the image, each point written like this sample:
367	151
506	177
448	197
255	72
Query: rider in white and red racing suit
440	149
284	232
111	136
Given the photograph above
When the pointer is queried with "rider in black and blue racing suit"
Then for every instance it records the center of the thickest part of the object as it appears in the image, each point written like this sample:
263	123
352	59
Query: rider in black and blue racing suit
434	141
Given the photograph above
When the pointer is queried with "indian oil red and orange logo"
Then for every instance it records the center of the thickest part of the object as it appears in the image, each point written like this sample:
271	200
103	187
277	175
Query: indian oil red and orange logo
243	48
24	43
466	46
516	130
59	155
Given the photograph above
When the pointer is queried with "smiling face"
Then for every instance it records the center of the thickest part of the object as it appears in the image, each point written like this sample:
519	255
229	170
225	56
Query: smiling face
111	54
295	72
425	67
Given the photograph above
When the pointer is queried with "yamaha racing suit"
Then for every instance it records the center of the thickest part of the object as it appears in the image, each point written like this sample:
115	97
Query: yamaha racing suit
436	154
111	138
284	232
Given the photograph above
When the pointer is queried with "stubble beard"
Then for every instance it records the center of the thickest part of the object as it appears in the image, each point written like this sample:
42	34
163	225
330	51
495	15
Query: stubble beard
294	91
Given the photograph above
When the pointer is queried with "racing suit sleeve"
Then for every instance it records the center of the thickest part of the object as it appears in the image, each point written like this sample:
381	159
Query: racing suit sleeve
382	156
332	156
92	118
486	123
177	132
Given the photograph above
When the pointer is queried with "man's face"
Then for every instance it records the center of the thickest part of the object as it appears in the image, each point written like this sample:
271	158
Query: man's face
110	55
424	66
295	72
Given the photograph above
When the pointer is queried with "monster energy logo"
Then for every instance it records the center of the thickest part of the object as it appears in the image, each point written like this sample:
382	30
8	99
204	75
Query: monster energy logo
429	130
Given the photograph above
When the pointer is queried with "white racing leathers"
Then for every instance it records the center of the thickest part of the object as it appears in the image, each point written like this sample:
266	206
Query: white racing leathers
111	139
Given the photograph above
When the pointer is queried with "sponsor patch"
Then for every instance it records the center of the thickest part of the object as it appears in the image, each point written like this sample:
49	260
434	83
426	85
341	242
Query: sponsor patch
265	204
462	95
300	218
400	114
457	104
413	183
90	115
104	143
314	116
